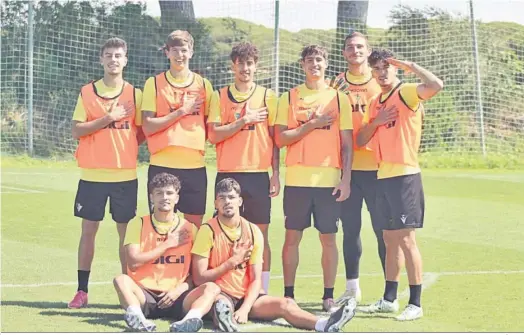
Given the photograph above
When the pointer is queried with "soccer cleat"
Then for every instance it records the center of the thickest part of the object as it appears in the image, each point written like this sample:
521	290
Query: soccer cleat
411	312
348	294
381	306
343	315
328	305
79	301
224	317
192	325
139	322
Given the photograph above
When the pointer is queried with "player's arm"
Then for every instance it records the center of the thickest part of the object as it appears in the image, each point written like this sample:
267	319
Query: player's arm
370	126
431	84
217	131
81	127
346	148
140	136
272	109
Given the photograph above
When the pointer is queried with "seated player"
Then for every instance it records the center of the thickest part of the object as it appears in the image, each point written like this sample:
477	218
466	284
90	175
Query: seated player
158	283
228	251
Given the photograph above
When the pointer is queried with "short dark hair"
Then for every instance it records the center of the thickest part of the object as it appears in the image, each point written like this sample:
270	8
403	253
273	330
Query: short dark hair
163	180
227	185
113	42
179	38
379	54
313	50
355	34
243	51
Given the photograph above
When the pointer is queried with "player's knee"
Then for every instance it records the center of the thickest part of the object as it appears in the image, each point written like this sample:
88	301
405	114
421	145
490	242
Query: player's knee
408	241
328	241
120	281
211	289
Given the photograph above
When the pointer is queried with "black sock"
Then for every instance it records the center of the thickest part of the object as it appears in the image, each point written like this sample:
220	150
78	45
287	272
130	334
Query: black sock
289	291
414	294
390	293
83	280
328	293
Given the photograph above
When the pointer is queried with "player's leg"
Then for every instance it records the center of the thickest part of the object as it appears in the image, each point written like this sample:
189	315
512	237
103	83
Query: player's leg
192	194
297	212
90	203
326	213
193	307
351	217
122	205
222	313
268	308
134	300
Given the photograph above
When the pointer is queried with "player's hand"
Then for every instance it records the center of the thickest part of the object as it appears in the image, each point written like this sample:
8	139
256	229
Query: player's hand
322	120
176	238
118	112
255	115
344	187
240	315
168	298
386	115
241	252
274	186
401	64
191	104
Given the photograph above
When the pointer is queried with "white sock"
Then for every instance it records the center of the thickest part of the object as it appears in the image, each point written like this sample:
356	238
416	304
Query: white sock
321	324
135	310
193	314
352	284
265	281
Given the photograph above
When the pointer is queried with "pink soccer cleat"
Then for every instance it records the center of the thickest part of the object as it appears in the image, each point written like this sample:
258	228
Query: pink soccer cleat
79	301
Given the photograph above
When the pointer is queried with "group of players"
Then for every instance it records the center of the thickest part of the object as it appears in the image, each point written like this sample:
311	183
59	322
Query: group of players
351	139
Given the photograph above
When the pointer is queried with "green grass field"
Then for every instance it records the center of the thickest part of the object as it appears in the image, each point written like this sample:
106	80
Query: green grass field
472	246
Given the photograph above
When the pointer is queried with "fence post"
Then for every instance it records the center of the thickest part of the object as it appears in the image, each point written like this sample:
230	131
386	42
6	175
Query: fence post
30	44
276	47
477	73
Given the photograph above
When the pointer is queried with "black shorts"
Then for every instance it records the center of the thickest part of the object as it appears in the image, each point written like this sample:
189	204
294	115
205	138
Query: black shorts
151	310
193	188
400	202
255	194
91	199
301	202
237	303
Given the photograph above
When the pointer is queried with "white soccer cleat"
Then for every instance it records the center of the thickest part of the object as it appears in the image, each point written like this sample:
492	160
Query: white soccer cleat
381	306
411	312
139	322
348	294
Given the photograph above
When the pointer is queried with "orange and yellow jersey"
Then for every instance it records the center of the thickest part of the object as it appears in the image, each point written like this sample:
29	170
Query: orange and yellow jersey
251	149
396	144
109	154
313	161
361	89
182	144
215	242
170	269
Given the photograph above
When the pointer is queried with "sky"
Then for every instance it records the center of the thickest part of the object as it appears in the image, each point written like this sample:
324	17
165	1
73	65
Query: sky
321	14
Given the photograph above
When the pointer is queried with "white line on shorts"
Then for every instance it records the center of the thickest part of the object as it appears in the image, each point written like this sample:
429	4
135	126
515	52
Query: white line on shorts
429	275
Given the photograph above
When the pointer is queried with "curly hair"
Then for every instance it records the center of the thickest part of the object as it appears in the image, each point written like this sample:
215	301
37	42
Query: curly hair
243	51
227	185
163	180
378	55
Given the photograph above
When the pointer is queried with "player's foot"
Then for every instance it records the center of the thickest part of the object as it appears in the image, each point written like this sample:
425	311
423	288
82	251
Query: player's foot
192	325
342	316
348	294
139	322
411	312
381	306
79	301
328	305
224	316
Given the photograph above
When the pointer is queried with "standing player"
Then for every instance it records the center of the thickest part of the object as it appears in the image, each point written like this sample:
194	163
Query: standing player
109	134
360	85
158	283
228	251
174	113
314	122
241	124
393	124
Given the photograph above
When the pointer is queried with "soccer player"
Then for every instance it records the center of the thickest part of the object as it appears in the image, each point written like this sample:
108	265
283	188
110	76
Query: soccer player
361	86
241	124
109	133
228	251
158	283
314	122
174	113
393	126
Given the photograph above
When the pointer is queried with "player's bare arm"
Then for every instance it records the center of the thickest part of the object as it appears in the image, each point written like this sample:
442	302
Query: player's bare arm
385	115
255	275
152	124
287	136
431	84
136	258
116	113
274	181
346	147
